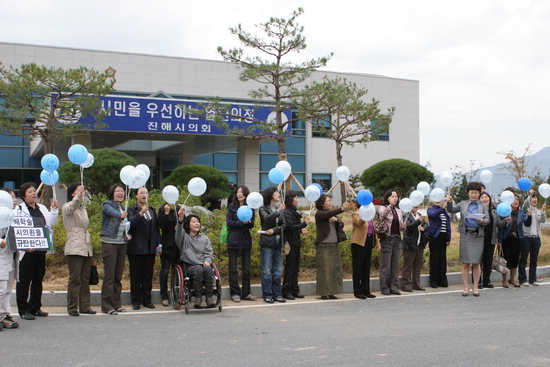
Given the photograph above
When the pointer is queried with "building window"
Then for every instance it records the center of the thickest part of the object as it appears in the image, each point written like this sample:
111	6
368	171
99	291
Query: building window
323	179
318	126
382	134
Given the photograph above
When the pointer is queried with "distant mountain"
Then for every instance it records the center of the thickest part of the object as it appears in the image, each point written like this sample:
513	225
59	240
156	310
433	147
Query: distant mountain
502	178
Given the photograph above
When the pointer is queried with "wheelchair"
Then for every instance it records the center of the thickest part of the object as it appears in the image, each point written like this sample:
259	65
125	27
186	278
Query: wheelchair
181	288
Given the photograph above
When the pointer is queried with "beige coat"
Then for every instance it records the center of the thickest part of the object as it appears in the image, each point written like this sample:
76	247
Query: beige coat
75	220
360	229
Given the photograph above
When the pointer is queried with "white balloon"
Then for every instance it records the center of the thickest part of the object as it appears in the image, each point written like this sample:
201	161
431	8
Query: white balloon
417	197
196	186
424	187
137	179
170	194
312	193
446	178
145	170
486	176
367	212
544	190
507	196
126	174
285	167
343	173
405	205
436	195
6	216
6	201
89	161
255	200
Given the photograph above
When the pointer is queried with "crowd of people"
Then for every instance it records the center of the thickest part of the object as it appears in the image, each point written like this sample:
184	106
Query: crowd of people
140	233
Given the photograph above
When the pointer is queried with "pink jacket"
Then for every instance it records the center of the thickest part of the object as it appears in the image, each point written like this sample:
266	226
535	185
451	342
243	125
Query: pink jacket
385	213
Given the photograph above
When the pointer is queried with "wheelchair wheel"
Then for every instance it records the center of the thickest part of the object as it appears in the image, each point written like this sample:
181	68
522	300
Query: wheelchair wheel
218	289
177	285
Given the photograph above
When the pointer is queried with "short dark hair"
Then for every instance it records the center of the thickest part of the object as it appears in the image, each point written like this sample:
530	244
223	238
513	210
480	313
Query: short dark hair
267	194
245	191
188	220
388	193
320	203
289	198
112	188
8	190
71	189
491	205
23	188
475	186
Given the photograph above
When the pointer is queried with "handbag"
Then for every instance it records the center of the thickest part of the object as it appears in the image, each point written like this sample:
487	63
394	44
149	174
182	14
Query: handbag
340	234
285	249
94	276
380	226
499	262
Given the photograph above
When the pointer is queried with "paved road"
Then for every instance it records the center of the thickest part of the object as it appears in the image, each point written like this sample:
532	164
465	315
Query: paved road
503	327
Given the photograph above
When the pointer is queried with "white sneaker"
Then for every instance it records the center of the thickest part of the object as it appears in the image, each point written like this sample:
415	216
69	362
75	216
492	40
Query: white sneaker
535	284
524	284
236	298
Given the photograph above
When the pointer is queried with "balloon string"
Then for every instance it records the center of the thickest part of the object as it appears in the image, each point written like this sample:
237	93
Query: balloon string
81	175
53	186
127	198
186	198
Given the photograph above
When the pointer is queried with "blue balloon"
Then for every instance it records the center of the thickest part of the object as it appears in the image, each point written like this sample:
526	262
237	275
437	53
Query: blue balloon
504	210
276	176
364	197
319	186
524	184
50	162
78	154
49	178
244	213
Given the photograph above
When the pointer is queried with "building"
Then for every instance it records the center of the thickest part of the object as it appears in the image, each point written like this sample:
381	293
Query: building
163	81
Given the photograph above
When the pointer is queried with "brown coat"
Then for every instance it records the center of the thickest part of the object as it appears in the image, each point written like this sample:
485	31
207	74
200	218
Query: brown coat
322	223
359	231
75	220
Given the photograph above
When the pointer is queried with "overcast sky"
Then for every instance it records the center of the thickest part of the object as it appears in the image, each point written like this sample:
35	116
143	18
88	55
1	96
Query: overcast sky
483	66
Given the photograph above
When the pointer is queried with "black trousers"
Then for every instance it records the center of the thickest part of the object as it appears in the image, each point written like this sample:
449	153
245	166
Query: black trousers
438	260
166	265
203	277
234	288
292	271
141	278
32	269
361	260
487	260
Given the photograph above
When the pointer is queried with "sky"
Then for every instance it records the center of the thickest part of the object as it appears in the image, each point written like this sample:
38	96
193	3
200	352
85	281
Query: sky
483	66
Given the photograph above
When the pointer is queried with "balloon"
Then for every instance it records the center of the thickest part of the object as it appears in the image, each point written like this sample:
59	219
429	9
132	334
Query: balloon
424	187
145	170
170	194
244	213
544	190
285	167
486	176
6	200
6	216
78	154
342	173
504	209
276	176
367	212
49	178
524	184
405	205
196	186
125	174
417	197
446	178
507	196
89	161
254	200
137	179
312	192
50	162
319	186
364	197
436	195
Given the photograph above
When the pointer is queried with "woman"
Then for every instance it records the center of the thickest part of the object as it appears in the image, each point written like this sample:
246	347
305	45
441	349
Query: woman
78	250
530	244
271	257
8	274
489	241
113	249
197	254
439	237
414	242
363	240
510	233
142	248
474	216
239	244
328	260
32	265
293	227
169	254
390	242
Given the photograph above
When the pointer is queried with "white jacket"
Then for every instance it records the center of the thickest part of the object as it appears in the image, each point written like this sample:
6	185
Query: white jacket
50	217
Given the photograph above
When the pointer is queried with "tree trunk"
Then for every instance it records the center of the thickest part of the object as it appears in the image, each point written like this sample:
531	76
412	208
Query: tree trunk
339	163
46	196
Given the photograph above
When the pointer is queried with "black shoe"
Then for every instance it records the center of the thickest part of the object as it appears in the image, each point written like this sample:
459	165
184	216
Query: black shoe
297	295
407	290
444	285
324	297
332	296
488	285
136	307
290	297
89	312
40	313
269	299
149	305
480	286
397	293
280	299
433	285
27	316
74	313
370	295
360	296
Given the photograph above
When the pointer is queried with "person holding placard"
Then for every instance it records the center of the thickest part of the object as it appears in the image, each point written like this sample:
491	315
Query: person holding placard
8	274
78	250
530	244
32	263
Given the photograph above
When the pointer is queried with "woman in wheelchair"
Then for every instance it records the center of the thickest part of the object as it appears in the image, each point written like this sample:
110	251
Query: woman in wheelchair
196	253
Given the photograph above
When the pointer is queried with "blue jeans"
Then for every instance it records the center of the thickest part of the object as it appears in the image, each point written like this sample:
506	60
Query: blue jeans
530	246
272	269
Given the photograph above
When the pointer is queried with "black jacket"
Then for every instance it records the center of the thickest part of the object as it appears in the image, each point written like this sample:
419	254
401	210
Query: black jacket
293	224
145	234
270	219
239	237
167	226
410	239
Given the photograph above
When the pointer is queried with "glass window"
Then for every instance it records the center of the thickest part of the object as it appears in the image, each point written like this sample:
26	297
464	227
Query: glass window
269	147
205	159
323	123
231	176
225	161
296	145
11	140
323	179
11	157
298	162
383	134
268	161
